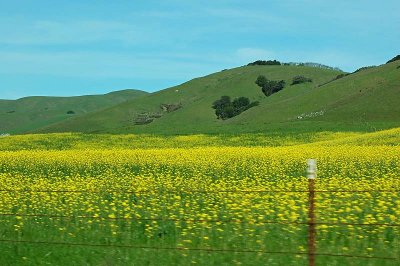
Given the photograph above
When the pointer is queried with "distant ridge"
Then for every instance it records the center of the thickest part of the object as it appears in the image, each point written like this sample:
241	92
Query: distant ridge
33	112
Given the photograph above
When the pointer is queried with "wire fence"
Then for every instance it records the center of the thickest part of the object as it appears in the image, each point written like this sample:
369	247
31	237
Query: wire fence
196	191
193	249
311	193
161	219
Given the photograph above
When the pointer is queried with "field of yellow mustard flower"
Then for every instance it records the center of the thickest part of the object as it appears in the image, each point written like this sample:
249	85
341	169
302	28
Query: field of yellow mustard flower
204	204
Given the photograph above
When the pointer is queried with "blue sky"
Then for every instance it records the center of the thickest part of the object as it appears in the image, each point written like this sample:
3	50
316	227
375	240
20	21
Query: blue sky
88	47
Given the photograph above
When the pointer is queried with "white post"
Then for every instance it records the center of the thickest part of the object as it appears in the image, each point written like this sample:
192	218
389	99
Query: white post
311	168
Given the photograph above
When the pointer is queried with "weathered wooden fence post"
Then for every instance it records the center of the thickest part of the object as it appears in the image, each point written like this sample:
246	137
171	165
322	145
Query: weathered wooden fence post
311	175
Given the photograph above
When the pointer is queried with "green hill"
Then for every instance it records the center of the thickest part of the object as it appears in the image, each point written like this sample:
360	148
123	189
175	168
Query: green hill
31	113
363	101
195	97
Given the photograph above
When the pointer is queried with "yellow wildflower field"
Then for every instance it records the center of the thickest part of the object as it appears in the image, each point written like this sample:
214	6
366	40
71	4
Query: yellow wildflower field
205	205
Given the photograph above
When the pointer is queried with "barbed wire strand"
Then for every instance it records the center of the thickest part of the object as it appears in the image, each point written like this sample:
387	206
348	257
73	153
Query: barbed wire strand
195	191
194	249
195	220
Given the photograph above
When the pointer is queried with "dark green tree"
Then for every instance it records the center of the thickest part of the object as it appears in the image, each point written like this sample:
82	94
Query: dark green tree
222	102
269	87
225	109
300	79
261	81
228	111
240	102
272	87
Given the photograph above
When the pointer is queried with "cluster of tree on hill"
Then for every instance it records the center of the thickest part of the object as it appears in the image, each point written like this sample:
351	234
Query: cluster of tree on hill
225	108
269	87
277	63
265	63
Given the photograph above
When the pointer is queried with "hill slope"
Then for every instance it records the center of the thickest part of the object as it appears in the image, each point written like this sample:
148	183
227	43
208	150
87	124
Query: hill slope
31	113
366	100
196	97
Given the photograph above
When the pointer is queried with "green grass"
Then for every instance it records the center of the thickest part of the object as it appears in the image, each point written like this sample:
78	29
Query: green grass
365	101
31	113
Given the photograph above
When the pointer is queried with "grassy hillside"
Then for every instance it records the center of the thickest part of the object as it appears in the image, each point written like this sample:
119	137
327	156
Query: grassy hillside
364	101
31	113
367	100
196	97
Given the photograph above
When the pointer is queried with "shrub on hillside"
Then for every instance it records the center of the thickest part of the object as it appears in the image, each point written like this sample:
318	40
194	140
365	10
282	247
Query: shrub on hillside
269	87
70	112
170	107
261	80
335	78
341	76
273	87
225	108
300	79
397	57
363	68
